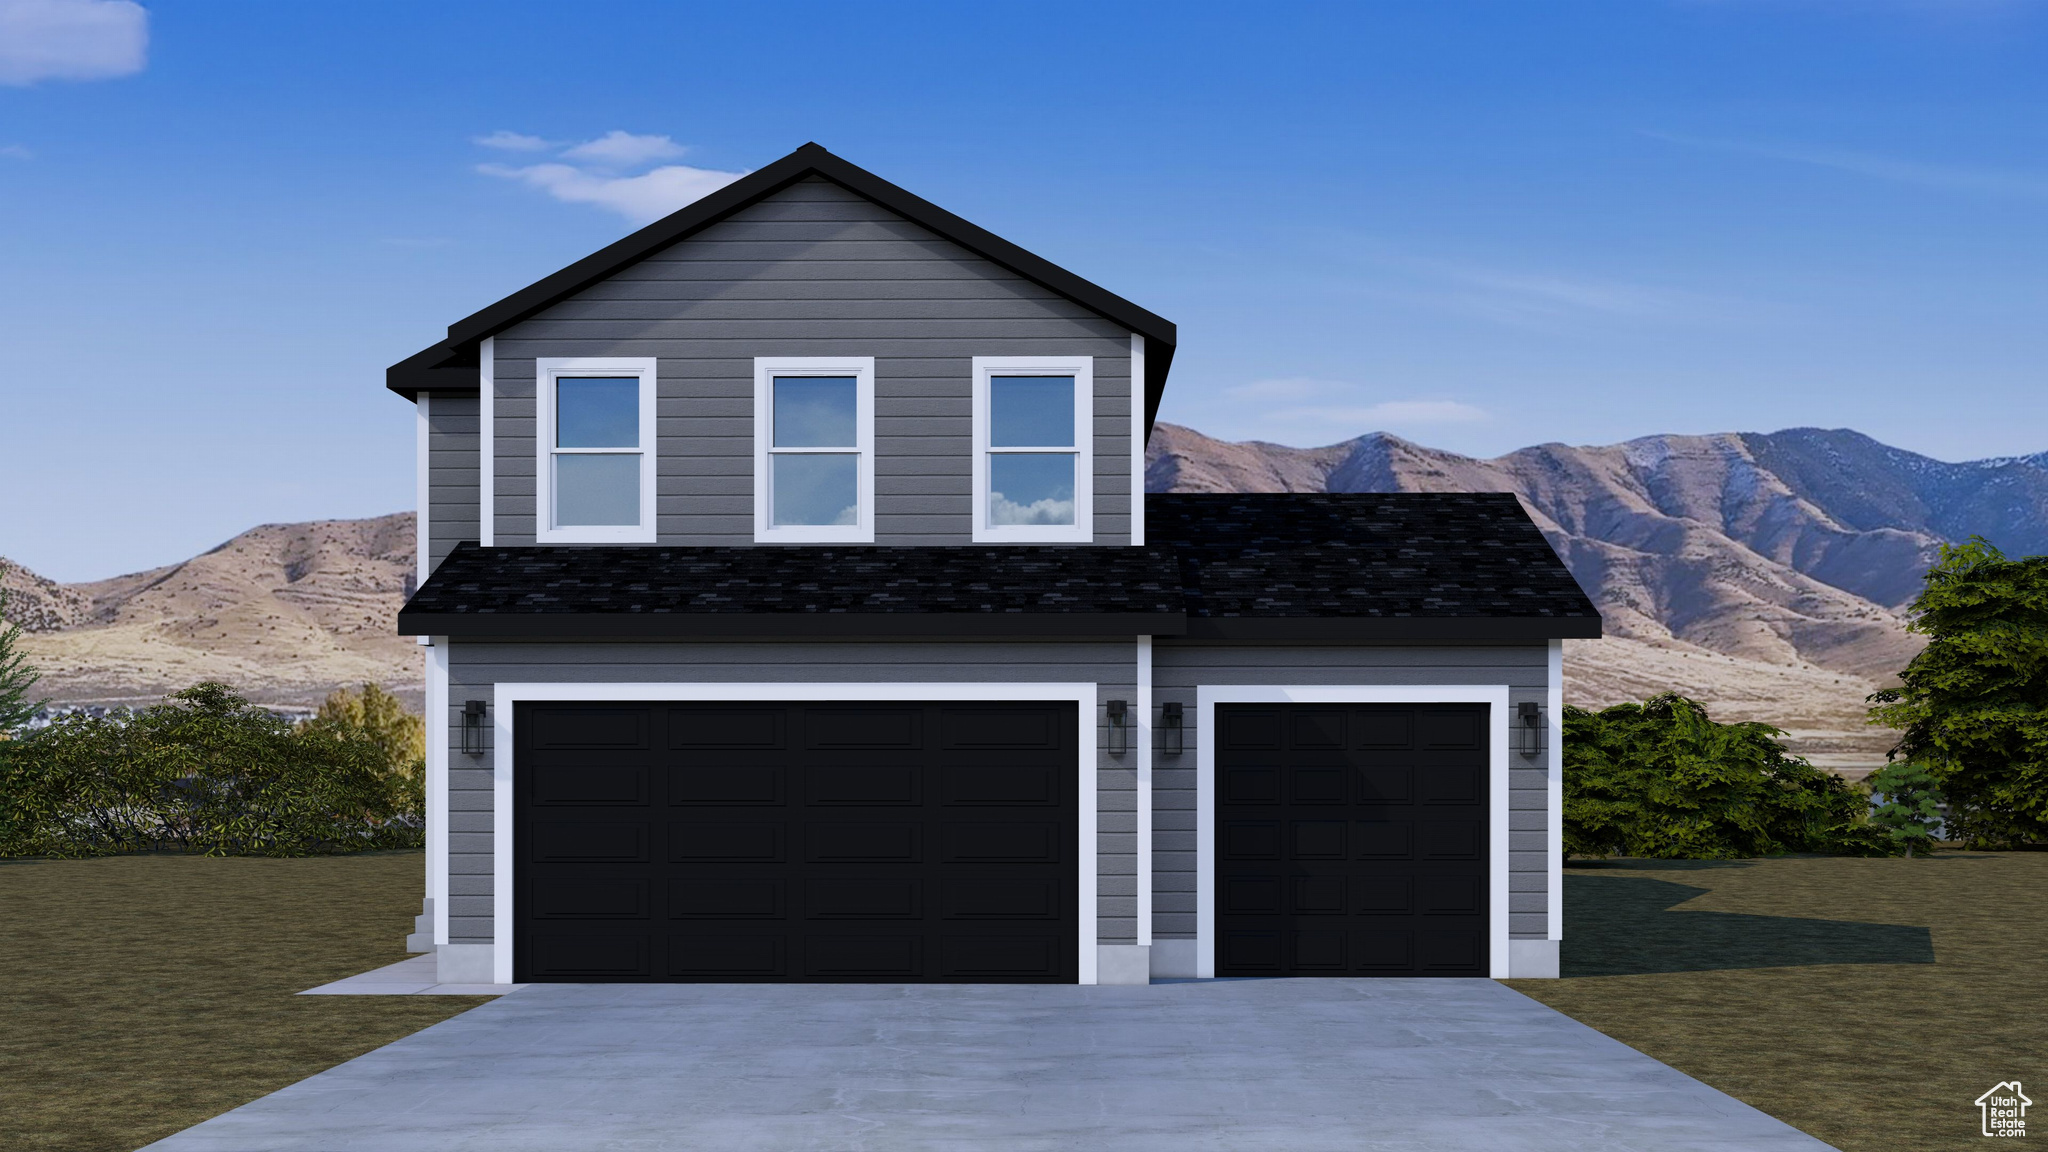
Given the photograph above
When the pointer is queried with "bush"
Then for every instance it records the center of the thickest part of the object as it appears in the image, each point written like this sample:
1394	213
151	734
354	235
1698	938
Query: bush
1911	806
204	772
1660	779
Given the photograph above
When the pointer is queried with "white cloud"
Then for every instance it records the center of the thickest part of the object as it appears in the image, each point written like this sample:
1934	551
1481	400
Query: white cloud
1946	178
623	149
1310	412
596	172
513	141
641	199
16	152
71	40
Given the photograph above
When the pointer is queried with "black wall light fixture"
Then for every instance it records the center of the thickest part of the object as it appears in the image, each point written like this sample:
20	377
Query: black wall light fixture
1169	728
473	728
1529	729
1119	727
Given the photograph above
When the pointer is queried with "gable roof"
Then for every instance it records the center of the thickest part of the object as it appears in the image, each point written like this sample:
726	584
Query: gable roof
451	364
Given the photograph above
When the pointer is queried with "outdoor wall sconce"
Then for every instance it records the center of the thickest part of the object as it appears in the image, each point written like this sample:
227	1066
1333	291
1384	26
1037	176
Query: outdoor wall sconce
473	728
1119	727
1169	728
1529	729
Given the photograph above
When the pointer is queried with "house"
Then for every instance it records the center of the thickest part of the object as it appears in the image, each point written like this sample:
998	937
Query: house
793	612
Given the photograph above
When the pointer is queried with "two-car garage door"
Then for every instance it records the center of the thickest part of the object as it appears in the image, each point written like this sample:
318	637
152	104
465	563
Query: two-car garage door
795	842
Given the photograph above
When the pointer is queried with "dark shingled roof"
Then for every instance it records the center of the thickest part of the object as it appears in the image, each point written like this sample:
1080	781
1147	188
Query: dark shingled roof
1411	567
1326	558
811	591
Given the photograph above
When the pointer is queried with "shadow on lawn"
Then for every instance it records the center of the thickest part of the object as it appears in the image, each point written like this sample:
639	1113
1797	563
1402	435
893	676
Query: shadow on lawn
1625	925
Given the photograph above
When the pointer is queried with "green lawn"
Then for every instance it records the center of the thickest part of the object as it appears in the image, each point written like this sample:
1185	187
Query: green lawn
1867	1002
142	995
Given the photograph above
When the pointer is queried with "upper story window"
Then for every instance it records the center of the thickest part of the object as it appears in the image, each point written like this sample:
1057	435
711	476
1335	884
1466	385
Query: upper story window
594	475
814	458
1033	450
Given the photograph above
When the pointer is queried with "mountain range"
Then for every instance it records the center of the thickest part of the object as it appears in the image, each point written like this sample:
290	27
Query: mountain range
1765	574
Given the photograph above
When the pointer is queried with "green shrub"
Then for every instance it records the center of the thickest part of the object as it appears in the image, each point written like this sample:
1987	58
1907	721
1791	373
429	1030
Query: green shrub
1911	805
204	772
1661	779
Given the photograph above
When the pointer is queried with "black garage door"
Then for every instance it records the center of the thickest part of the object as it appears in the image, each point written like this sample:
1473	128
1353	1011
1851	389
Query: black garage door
1351	840
795	842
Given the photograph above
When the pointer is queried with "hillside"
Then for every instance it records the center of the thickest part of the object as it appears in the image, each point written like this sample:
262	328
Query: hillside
285	612
1764	573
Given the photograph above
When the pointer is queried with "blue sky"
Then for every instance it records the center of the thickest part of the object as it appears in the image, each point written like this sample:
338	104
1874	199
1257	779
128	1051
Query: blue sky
1476	225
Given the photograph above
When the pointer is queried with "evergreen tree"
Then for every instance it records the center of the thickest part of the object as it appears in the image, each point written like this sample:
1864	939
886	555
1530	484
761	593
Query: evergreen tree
16	677
1909	804
1973	705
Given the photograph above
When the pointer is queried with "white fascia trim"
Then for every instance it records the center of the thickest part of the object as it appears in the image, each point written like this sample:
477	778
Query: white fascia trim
862	369
422	491
1137	440
1082	530
1554	707
437	784
487	442
1495	696
505	695
1143	737
547	370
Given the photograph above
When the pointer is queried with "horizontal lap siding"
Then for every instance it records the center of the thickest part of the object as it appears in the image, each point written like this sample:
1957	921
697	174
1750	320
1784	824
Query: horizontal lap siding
813	271
475	667
452	480
1178	669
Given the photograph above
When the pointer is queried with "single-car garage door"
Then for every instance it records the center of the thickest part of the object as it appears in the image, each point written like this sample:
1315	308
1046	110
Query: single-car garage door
795	842
1351	840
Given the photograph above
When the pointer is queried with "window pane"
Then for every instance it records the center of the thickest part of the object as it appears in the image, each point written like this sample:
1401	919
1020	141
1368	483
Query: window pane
1031	411
815	412
597	412
815	488
1029	488
597	489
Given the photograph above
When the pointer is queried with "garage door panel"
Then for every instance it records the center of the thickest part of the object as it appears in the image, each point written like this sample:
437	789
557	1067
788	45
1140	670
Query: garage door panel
572	956
589	842
874	727
892	784
1350	840
986	784
728	956
898	956
764	728
574	783
727	784
752	842
798	841
996	898
590	898
864	898
1008	956
592	726
728	898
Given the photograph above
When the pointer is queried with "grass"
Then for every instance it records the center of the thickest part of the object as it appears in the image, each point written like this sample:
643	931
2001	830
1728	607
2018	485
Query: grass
145	994
1866	1002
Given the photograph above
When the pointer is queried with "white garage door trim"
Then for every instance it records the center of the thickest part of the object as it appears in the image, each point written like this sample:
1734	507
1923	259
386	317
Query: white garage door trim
1208	696
507	694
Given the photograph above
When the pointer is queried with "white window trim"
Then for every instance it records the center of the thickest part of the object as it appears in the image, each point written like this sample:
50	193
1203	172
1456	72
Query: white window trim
506	695
862	369
549	369
1082	369
1495	696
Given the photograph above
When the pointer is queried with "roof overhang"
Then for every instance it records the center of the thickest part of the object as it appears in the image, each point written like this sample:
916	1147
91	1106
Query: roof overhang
617	626
1390	629
429	369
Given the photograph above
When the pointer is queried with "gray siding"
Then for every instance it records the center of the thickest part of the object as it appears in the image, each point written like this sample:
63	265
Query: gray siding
813	271
474	667
452	476
1178	668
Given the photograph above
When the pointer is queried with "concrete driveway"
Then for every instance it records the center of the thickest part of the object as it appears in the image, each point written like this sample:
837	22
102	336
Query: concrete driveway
1293	1065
